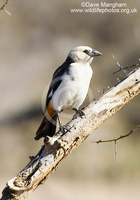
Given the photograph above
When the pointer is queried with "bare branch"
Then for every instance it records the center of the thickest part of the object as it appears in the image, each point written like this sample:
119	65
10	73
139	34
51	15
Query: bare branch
3	8
121	68
59	146
128	67
118	138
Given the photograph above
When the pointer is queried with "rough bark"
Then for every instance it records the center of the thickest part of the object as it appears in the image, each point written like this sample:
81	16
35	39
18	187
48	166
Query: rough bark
58	147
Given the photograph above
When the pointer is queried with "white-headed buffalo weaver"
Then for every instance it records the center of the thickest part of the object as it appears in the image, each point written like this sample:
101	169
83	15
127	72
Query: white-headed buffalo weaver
68	88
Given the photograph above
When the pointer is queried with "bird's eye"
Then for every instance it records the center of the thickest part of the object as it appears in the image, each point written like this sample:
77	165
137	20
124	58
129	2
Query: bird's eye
86	51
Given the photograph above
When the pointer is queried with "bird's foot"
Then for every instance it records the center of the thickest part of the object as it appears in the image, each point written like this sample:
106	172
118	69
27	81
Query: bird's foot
46	139
79	113
50	140
65	128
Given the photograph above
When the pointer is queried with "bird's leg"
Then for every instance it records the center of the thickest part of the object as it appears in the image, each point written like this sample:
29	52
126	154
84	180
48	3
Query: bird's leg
60	125
65	128
79	113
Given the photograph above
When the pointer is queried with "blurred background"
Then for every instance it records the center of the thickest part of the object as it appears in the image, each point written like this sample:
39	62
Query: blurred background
34	41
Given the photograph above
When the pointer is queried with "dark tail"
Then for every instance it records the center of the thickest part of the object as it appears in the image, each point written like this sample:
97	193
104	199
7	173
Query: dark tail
46	128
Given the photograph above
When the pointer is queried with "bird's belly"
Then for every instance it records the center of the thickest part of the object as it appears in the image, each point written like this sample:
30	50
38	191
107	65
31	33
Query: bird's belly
70	94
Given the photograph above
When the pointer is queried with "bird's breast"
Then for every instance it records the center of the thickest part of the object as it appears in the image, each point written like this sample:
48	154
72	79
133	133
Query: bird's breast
73	88
80	72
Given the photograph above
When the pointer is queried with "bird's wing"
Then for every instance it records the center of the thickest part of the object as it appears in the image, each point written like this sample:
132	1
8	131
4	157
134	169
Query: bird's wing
56	81
57	78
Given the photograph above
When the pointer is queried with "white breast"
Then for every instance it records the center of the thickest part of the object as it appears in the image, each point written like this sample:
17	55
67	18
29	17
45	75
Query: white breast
73	89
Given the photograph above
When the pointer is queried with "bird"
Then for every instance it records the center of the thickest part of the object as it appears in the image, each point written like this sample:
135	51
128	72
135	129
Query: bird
68	88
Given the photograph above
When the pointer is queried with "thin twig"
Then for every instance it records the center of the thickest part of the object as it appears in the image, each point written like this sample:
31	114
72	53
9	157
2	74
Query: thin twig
128	67
119	138
121	68
115	147
3	8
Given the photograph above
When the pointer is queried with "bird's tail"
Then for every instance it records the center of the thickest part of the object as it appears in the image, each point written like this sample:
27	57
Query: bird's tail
47	127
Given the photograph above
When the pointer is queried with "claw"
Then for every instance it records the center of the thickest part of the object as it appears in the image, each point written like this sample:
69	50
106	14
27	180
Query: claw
65	128
79	113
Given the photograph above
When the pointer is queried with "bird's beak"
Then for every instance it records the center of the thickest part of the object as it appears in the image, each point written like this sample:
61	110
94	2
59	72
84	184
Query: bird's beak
95	53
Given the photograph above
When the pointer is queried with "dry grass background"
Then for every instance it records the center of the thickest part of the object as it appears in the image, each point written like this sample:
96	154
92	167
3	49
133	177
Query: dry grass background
33	43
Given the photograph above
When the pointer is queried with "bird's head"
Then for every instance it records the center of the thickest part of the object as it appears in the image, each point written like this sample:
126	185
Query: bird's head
83	54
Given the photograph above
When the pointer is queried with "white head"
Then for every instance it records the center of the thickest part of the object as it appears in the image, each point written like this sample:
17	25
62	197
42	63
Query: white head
83	54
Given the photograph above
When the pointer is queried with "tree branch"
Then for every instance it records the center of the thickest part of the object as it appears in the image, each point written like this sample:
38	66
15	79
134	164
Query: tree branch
118	138
59	146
